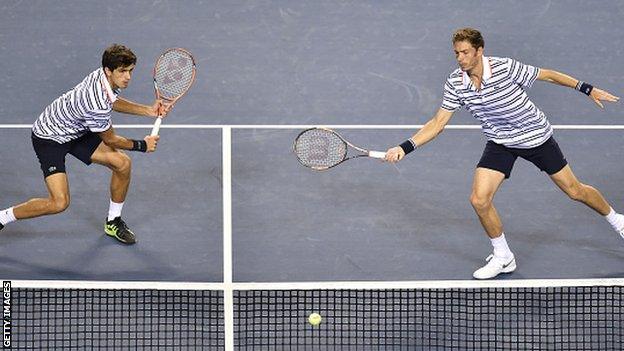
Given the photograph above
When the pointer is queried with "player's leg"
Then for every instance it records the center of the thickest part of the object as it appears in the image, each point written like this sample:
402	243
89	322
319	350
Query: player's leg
588	195
56	202
485	184
120	165
495	166
549	158
577	191
51	156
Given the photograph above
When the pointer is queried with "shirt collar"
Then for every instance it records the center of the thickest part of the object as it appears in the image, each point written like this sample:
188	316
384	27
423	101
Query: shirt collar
112	94
487	72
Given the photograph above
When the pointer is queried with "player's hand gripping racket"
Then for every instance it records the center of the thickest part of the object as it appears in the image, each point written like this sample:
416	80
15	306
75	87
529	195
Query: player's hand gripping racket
174	74
323	148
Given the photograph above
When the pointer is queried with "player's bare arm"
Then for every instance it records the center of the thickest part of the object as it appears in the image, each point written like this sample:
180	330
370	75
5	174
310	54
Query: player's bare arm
126	106
596	94
428	132
110	138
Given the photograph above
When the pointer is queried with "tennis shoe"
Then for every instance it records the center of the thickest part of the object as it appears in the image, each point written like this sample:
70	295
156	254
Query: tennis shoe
495	266
118	229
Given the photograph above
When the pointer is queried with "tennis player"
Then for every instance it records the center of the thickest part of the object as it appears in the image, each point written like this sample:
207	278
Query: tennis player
79	123
494	91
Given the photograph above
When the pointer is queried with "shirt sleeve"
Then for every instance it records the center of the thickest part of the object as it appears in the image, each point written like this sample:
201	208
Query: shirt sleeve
523	74
98	116
450	101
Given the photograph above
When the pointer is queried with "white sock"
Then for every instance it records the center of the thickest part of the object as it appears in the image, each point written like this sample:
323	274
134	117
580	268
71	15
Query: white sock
615	219
500	247
114	210
7	216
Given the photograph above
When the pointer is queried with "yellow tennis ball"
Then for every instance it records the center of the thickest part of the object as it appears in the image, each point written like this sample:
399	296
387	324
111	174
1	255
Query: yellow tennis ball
314	319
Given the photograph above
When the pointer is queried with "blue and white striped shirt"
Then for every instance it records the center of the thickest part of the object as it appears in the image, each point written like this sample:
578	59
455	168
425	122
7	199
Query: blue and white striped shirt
87	107
502	106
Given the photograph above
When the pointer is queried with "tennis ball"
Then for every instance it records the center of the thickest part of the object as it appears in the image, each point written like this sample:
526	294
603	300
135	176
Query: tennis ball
315	319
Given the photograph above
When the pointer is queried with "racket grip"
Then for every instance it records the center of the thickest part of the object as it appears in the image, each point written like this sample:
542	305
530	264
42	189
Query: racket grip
156	127
377	154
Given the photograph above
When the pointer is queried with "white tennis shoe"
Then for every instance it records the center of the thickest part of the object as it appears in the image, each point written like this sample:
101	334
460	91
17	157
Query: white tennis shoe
495	266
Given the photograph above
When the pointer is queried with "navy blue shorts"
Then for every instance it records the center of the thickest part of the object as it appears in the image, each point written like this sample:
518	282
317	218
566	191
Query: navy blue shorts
51	154
547	157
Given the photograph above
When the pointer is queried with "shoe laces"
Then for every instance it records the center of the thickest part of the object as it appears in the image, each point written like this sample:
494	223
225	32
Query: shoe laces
498	260
122	225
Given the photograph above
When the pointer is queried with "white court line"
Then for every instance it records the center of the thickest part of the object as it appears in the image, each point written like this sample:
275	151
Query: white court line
228	292
333	126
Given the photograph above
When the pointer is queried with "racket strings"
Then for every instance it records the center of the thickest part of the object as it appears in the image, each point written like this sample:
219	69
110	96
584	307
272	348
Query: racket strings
320	149
174	74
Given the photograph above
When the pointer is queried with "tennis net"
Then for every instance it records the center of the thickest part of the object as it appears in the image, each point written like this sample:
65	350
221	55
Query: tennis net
443	315
112	316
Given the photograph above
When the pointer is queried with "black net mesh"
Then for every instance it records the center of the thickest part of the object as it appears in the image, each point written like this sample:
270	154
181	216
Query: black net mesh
93	319
484	318
558	318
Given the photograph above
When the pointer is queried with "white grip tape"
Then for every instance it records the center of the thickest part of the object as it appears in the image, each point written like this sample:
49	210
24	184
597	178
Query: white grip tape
156	127
377	154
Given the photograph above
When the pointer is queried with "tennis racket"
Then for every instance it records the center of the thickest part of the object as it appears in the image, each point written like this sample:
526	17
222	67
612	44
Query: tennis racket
174	73
323	148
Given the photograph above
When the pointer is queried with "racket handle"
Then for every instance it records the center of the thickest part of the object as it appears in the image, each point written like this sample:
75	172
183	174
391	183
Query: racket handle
377	154
156	127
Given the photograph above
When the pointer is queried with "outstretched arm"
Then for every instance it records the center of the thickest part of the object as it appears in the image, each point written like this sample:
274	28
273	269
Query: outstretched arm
428	132
597	95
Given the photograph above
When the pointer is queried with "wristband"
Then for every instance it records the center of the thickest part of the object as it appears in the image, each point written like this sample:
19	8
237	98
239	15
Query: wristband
139	145
584	88
408	146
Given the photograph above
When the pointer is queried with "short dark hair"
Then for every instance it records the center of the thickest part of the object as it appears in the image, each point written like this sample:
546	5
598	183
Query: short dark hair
470	35
116	56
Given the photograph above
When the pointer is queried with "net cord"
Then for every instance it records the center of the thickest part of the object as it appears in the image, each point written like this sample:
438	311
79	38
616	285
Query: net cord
323	285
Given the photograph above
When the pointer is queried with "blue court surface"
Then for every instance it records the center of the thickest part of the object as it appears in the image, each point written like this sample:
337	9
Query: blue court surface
288	65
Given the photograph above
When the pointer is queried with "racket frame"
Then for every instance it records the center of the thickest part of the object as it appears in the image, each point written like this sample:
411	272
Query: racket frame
170	102
363	152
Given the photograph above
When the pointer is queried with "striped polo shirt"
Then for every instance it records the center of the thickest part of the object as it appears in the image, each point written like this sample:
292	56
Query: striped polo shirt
87	107
501	105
